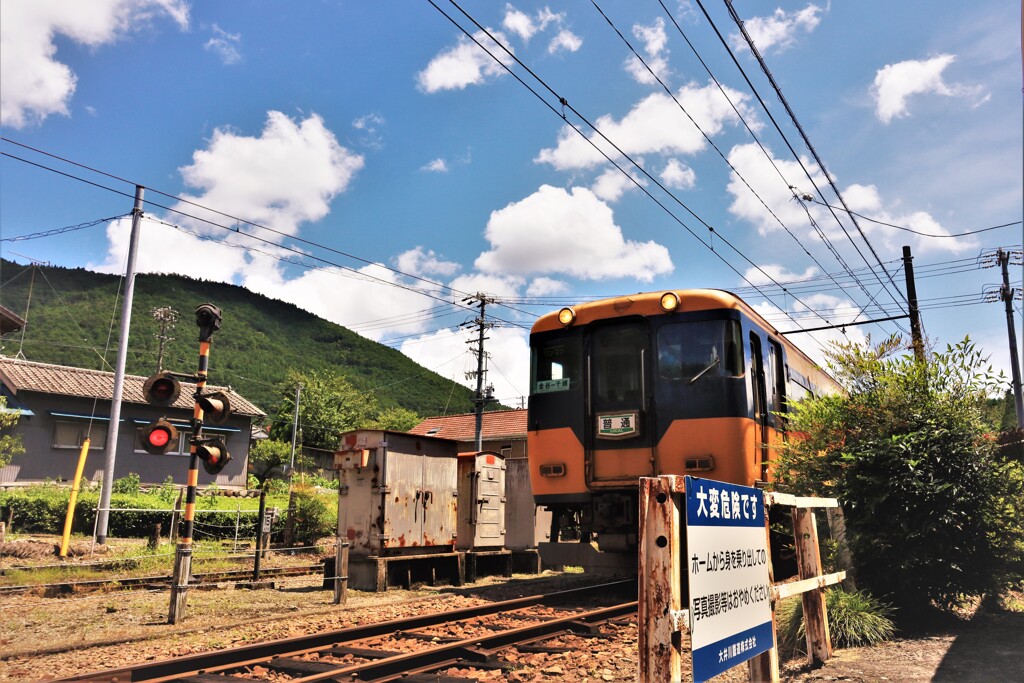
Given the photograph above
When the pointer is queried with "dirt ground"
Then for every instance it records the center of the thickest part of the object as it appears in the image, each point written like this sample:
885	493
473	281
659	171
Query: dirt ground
51	637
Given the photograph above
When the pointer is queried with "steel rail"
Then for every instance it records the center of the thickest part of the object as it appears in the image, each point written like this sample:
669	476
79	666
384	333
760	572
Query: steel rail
204	664
466	651
161	580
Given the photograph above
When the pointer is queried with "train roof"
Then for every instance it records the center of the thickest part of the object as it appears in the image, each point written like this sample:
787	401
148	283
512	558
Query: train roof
690	300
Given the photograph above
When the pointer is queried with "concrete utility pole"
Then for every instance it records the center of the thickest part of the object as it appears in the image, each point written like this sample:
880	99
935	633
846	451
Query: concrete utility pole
167	317
482	397
110	452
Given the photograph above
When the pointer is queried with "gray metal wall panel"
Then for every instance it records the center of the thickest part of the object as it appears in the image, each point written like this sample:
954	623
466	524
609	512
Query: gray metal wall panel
525	523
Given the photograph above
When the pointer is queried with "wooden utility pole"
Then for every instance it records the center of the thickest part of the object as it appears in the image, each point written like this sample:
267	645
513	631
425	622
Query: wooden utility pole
483	396
915	314
1007	294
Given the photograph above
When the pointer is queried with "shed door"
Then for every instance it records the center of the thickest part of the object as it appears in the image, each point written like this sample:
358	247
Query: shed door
402	498
439	500
490	500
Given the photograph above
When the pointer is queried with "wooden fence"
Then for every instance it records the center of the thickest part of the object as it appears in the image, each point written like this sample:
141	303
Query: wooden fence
662	619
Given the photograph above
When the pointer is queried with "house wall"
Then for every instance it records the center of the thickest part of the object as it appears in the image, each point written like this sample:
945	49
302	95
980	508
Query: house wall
42	461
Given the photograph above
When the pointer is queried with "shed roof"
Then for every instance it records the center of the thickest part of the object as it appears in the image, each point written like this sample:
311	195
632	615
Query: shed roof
498	424
22	375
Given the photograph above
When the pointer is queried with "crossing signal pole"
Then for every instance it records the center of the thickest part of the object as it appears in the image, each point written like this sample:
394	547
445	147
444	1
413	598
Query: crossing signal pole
483	395
216	409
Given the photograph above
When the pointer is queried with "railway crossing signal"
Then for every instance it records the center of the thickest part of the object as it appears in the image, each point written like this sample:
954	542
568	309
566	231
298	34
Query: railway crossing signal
161	389
216	407
213	452
158	437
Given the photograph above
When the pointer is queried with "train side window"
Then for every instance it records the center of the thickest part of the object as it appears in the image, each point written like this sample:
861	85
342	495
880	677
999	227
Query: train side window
776	378
707	348
556	366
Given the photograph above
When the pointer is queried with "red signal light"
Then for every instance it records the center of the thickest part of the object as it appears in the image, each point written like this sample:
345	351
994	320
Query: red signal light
159	437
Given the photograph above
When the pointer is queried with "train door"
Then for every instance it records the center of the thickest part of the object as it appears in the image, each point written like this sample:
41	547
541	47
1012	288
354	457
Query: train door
775	386
619	421
760	412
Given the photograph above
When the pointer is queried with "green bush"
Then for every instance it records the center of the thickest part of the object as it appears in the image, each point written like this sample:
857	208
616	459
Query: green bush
855	619
130	484
313	517
932	513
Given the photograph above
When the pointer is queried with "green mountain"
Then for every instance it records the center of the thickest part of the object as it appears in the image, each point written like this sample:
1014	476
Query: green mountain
74	318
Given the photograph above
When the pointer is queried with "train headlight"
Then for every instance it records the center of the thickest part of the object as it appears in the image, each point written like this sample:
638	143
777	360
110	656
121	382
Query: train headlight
669	301
552	470
567	316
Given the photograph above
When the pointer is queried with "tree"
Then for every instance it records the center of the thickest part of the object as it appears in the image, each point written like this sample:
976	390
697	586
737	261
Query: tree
269	457
10	444
396	419
933	512
328	406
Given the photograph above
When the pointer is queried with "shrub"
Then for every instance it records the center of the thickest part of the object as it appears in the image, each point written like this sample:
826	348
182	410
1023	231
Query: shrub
855	619
932	513
312	516
129	484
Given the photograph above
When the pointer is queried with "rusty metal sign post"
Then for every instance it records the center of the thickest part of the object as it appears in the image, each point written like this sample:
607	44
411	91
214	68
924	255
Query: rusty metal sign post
661	617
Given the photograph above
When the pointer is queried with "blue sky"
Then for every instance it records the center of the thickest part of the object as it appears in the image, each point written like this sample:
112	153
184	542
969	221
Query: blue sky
380	131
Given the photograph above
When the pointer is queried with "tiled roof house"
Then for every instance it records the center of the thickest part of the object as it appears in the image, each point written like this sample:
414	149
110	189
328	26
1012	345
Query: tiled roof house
59	405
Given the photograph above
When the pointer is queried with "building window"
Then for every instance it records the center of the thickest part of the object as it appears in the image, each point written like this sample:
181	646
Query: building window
71	434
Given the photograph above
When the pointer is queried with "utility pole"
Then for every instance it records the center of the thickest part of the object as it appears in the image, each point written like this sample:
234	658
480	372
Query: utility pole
167	317
110	452
482	396
915	314
1007	294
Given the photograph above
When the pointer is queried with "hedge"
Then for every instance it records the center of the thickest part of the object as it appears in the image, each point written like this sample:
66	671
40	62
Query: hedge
42	510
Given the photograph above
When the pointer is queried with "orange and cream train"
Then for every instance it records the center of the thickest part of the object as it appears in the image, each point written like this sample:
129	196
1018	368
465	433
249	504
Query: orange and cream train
678	382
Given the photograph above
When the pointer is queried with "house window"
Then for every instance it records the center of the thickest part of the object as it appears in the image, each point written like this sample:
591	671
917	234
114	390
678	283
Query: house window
70	434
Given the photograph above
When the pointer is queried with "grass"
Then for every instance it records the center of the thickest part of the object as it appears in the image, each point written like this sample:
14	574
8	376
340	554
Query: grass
855	619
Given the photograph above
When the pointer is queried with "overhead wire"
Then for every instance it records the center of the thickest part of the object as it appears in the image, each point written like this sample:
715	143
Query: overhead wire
708	138
565	105
814	224
796	123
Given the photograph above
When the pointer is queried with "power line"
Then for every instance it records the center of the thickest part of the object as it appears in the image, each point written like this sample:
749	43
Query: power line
564	104
916	232
61	231
806	139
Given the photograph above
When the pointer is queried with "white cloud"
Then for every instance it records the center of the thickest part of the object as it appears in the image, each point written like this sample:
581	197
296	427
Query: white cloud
612	184
492	284
418	261
678	175
446	353
896	83
33	84
225	45
519	23
556	232
778	31
763	175
436	166
545	286
773	271
370	127
566	41
466	64
655	41
285	177
654	125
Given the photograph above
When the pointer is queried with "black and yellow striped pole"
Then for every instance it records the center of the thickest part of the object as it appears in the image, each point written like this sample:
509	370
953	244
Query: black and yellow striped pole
208	319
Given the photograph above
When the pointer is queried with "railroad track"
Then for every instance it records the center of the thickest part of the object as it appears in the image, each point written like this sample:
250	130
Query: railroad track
62	587
413	650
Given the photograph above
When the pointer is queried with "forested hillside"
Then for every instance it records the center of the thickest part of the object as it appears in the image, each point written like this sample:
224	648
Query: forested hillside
71	311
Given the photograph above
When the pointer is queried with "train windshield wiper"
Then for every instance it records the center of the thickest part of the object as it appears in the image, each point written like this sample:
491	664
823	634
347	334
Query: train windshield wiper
714	362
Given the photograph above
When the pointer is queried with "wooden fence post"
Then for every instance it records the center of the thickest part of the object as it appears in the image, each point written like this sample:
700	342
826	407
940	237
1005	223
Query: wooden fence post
659	616
808	560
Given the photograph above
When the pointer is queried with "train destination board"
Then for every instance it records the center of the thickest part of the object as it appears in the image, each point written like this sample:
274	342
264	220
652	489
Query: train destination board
727	564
